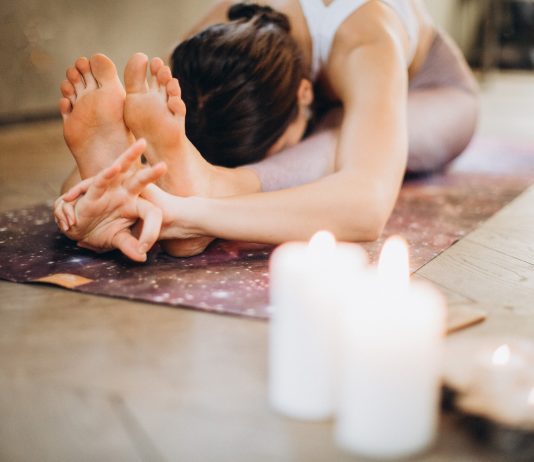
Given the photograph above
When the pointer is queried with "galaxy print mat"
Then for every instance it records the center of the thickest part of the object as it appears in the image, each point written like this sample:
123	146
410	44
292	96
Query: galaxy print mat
232	277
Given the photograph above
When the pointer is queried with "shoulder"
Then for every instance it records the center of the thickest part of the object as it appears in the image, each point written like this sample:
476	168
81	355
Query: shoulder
369	48
372	23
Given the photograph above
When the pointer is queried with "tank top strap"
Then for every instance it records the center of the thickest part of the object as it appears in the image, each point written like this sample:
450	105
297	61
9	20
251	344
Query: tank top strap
323	22
406	14
314	12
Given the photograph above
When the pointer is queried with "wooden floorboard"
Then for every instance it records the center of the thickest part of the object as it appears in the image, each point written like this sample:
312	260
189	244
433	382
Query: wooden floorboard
494	265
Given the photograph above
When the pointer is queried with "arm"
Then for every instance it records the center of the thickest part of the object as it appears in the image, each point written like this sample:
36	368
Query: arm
356	201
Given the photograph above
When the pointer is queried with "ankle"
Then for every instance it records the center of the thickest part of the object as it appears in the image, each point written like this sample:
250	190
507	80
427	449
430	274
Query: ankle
233	181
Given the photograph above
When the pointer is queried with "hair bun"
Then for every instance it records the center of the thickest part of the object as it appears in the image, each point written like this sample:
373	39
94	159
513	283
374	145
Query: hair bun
263	15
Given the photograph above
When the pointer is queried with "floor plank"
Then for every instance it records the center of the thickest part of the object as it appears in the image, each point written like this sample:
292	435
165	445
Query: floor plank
494	264
58	423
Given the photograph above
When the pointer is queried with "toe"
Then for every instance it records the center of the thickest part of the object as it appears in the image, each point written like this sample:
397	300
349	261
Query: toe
67	90
173	88
103	69
64	107
76	79
176	106
155	65
135	73
82	65
164	75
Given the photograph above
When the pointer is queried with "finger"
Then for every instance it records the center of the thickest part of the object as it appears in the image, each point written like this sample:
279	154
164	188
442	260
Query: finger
68	212
151	193
128	245
152	217
113	175
61	224
102	182
77	190
145	176
61	220
59	215
128	157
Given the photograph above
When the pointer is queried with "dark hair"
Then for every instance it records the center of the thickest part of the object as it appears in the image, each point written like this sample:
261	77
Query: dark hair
239	82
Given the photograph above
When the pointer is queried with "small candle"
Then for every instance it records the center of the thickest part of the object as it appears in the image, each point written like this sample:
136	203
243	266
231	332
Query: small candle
389	393
501	356
491	363
494	378
302	353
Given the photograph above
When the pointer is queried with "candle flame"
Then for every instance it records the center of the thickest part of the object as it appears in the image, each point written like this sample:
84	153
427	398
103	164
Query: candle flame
501	355
393	264
531	398
322	240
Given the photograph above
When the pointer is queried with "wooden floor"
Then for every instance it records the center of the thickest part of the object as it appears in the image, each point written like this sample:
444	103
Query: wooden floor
90	378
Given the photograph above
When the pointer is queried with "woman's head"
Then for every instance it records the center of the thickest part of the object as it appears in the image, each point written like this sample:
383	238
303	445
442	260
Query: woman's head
241	82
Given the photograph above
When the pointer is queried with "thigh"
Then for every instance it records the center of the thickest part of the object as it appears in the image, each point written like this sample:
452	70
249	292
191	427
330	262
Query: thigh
442	107
441	123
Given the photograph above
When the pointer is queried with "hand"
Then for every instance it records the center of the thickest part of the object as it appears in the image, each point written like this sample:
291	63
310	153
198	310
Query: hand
179	238
64	214
110	204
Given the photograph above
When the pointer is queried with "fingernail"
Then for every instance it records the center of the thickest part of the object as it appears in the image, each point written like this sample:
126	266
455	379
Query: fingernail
143	248
64	227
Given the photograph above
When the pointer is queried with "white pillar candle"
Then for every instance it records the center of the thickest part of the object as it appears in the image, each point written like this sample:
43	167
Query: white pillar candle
389	389
302	353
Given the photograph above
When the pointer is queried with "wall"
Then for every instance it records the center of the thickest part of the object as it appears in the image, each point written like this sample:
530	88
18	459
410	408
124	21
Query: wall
459	17
39	39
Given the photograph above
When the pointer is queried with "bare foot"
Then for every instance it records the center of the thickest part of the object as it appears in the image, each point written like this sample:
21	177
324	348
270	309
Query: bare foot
92	108
156	112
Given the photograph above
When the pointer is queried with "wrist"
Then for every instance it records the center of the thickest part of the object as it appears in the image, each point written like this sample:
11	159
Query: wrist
183	217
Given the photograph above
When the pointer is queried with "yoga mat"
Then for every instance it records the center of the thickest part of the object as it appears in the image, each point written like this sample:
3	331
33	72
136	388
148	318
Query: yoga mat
432	213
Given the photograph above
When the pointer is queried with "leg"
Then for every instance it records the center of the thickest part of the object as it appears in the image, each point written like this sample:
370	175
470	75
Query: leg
155	111
442	107
309	160
441	123
92	111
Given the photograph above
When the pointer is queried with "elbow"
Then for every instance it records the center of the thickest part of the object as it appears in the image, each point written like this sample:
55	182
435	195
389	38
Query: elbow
365	225
364	208
368	229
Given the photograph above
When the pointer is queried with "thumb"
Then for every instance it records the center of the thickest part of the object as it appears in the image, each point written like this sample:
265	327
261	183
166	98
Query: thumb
128	245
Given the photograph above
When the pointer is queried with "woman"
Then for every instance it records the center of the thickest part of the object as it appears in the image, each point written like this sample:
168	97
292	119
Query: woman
405	99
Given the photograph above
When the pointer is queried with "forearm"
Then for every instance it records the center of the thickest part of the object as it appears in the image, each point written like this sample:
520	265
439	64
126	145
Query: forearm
275	217
354	203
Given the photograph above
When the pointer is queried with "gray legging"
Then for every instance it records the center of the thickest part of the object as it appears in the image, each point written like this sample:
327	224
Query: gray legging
442	117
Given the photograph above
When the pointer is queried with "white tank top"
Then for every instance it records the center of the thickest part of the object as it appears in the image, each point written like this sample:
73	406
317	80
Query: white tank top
323	22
